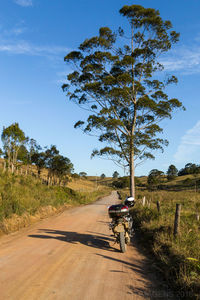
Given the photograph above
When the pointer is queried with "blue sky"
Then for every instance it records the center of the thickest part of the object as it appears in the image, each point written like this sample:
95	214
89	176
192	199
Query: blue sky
35	35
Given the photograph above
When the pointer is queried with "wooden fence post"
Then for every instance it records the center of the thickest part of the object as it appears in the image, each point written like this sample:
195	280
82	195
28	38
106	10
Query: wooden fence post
158	206
177	219
197	216
143	201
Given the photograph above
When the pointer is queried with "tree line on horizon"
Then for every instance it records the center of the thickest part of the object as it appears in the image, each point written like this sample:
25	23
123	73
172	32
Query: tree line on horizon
156	176
20	150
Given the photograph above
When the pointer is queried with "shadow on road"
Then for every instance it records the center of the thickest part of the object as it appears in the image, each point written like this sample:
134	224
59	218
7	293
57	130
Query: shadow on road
132	266
151	293
95	241
150	288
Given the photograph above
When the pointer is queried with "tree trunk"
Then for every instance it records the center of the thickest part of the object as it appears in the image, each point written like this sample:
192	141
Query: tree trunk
4	166
132	173
9	160
12	167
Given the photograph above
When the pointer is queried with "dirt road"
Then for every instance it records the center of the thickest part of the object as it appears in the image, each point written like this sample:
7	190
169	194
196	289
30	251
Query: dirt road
72	256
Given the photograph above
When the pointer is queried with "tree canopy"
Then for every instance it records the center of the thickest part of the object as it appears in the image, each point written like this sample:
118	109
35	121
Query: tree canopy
155	177
115	174
117	80
172	172
190	168
13	138
21	150
103	176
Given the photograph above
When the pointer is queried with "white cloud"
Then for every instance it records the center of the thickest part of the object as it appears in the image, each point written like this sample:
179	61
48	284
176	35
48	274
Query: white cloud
184	60
189	146
23	47
62	76
16	31
24	3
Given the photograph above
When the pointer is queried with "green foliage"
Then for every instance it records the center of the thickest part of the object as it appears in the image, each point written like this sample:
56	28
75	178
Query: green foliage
20	149
115	174
75	175
119	85
24	194
154	178
13	138
122	182
20	194
83	174
172	172
61	166
39	159
23	155
57	164
187	182
103	176
177	259
189	168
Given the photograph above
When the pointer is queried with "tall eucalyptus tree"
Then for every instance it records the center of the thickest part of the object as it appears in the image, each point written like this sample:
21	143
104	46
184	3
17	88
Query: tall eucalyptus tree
117	79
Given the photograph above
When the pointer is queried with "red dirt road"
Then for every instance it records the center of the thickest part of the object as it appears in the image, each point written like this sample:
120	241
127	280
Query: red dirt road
72	256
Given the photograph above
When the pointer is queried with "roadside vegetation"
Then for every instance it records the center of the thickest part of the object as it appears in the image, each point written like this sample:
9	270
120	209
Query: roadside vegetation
176	257
24	199
23	155
36	182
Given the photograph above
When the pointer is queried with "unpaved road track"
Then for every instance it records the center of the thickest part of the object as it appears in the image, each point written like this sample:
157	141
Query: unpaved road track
72	256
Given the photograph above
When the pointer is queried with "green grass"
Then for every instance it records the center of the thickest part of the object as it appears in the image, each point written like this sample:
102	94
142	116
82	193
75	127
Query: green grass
177	258
26	195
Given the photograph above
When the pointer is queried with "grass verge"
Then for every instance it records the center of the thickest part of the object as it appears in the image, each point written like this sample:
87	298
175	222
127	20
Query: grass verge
178	259
24	200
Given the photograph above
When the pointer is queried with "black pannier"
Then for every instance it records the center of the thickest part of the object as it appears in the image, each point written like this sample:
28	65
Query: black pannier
118	210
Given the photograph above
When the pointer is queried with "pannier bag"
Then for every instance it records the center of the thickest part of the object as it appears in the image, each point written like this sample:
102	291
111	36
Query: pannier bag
118	210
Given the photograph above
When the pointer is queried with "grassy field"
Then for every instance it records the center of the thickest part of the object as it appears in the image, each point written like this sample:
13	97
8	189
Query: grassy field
84	185
177	258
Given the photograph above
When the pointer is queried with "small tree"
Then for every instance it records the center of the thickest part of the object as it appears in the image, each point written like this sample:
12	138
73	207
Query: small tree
121	183
23	156
39	159
75	176
172	172
189	168
83	174
103	176
32	147
13	138
50	155
115	174
117	79
155	177
61	167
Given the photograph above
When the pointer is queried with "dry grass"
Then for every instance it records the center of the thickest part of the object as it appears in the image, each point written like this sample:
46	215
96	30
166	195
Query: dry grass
24	199
82	185
156	234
